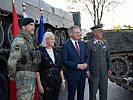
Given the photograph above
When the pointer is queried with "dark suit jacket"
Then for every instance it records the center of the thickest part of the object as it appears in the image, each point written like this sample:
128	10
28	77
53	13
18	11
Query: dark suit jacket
70	59
47	67
99	58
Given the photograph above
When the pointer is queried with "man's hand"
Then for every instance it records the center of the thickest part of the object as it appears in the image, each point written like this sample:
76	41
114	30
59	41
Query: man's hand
11	78
109	73
88	74
82	66
85	65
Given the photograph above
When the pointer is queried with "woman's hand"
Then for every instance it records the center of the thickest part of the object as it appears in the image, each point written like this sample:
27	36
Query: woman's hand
40	88
63	85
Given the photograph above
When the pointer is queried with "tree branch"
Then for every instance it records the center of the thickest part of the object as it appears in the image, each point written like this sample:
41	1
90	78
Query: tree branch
94	8
102	7
90	12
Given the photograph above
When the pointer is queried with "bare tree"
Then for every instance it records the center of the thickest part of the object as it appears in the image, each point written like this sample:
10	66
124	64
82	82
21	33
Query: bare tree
97	8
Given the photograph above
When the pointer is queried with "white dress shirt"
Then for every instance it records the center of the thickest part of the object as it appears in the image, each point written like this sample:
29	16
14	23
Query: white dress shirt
51	54
97	41
74	43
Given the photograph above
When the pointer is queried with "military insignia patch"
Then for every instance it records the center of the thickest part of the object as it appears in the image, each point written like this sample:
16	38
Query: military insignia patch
17	47
102	42
94	42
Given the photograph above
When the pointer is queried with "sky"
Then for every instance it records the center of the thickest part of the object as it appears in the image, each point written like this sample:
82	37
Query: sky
126	13
122	16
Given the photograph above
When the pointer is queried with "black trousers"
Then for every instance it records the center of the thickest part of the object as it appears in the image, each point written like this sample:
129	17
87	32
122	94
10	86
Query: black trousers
51	92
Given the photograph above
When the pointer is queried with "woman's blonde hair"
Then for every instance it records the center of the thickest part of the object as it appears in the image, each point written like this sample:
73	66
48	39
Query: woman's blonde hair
46	36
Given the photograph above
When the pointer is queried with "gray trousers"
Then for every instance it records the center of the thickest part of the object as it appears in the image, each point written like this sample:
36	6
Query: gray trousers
96	83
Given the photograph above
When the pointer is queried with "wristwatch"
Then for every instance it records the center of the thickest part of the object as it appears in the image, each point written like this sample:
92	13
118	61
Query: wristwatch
63	80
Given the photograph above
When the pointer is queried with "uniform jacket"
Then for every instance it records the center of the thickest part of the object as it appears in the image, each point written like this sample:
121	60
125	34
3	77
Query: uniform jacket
48	70
19	47
99	57
71	59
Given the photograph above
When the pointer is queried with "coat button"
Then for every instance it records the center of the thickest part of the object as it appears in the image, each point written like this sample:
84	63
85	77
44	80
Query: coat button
50	63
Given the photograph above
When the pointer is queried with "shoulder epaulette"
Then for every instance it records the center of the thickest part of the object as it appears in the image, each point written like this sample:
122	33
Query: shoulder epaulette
105	40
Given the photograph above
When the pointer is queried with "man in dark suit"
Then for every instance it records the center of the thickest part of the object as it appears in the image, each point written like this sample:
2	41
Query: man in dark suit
99	64
75	59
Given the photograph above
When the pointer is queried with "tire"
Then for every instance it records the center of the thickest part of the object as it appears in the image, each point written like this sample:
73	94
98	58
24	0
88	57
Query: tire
57	37
36	35
63	37
120	67
1	36
3	88
8	35
49	30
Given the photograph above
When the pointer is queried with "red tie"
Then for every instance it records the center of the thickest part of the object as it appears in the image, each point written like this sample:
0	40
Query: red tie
77	48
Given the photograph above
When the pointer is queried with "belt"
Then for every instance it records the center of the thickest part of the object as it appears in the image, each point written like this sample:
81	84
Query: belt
25	69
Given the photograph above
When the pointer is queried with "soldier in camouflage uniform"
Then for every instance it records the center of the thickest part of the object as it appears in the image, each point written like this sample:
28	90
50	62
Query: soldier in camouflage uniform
99	64
20	61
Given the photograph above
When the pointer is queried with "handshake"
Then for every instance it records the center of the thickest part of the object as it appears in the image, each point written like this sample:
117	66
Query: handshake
82	66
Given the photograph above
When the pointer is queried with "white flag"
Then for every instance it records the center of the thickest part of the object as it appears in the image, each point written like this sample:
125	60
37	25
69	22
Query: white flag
24	15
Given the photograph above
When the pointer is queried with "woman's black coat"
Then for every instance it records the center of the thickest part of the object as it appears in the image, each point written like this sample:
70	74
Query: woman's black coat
50	72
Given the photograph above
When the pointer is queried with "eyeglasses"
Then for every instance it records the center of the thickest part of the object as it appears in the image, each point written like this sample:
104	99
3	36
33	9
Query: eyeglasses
77	32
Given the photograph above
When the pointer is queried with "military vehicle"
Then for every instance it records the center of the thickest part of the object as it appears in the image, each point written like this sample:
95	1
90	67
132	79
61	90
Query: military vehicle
55	20
121	47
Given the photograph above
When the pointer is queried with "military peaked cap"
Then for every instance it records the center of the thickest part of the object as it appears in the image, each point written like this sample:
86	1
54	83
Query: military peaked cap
97	27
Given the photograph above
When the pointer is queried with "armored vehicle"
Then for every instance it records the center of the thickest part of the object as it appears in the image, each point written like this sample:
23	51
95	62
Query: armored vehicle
55	20
121	47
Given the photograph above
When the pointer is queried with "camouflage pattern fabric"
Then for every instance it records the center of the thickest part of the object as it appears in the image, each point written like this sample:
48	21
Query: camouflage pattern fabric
25	85
15	55
18	46
25	80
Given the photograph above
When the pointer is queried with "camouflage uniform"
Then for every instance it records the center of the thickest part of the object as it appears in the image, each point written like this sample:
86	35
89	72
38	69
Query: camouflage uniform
21	66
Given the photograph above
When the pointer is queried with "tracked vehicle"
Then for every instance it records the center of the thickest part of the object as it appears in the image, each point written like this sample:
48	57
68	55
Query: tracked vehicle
55	20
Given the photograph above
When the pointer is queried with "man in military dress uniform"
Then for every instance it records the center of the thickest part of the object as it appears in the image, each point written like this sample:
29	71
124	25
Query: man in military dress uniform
21	61
99	64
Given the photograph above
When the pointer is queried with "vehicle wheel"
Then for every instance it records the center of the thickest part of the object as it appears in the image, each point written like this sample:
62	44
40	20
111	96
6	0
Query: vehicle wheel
63	37
3	88
36	35
1	36
49	30
57	38
8	35
120	67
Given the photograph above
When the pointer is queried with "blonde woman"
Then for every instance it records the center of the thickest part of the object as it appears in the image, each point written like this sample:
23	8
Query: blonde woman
50	77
